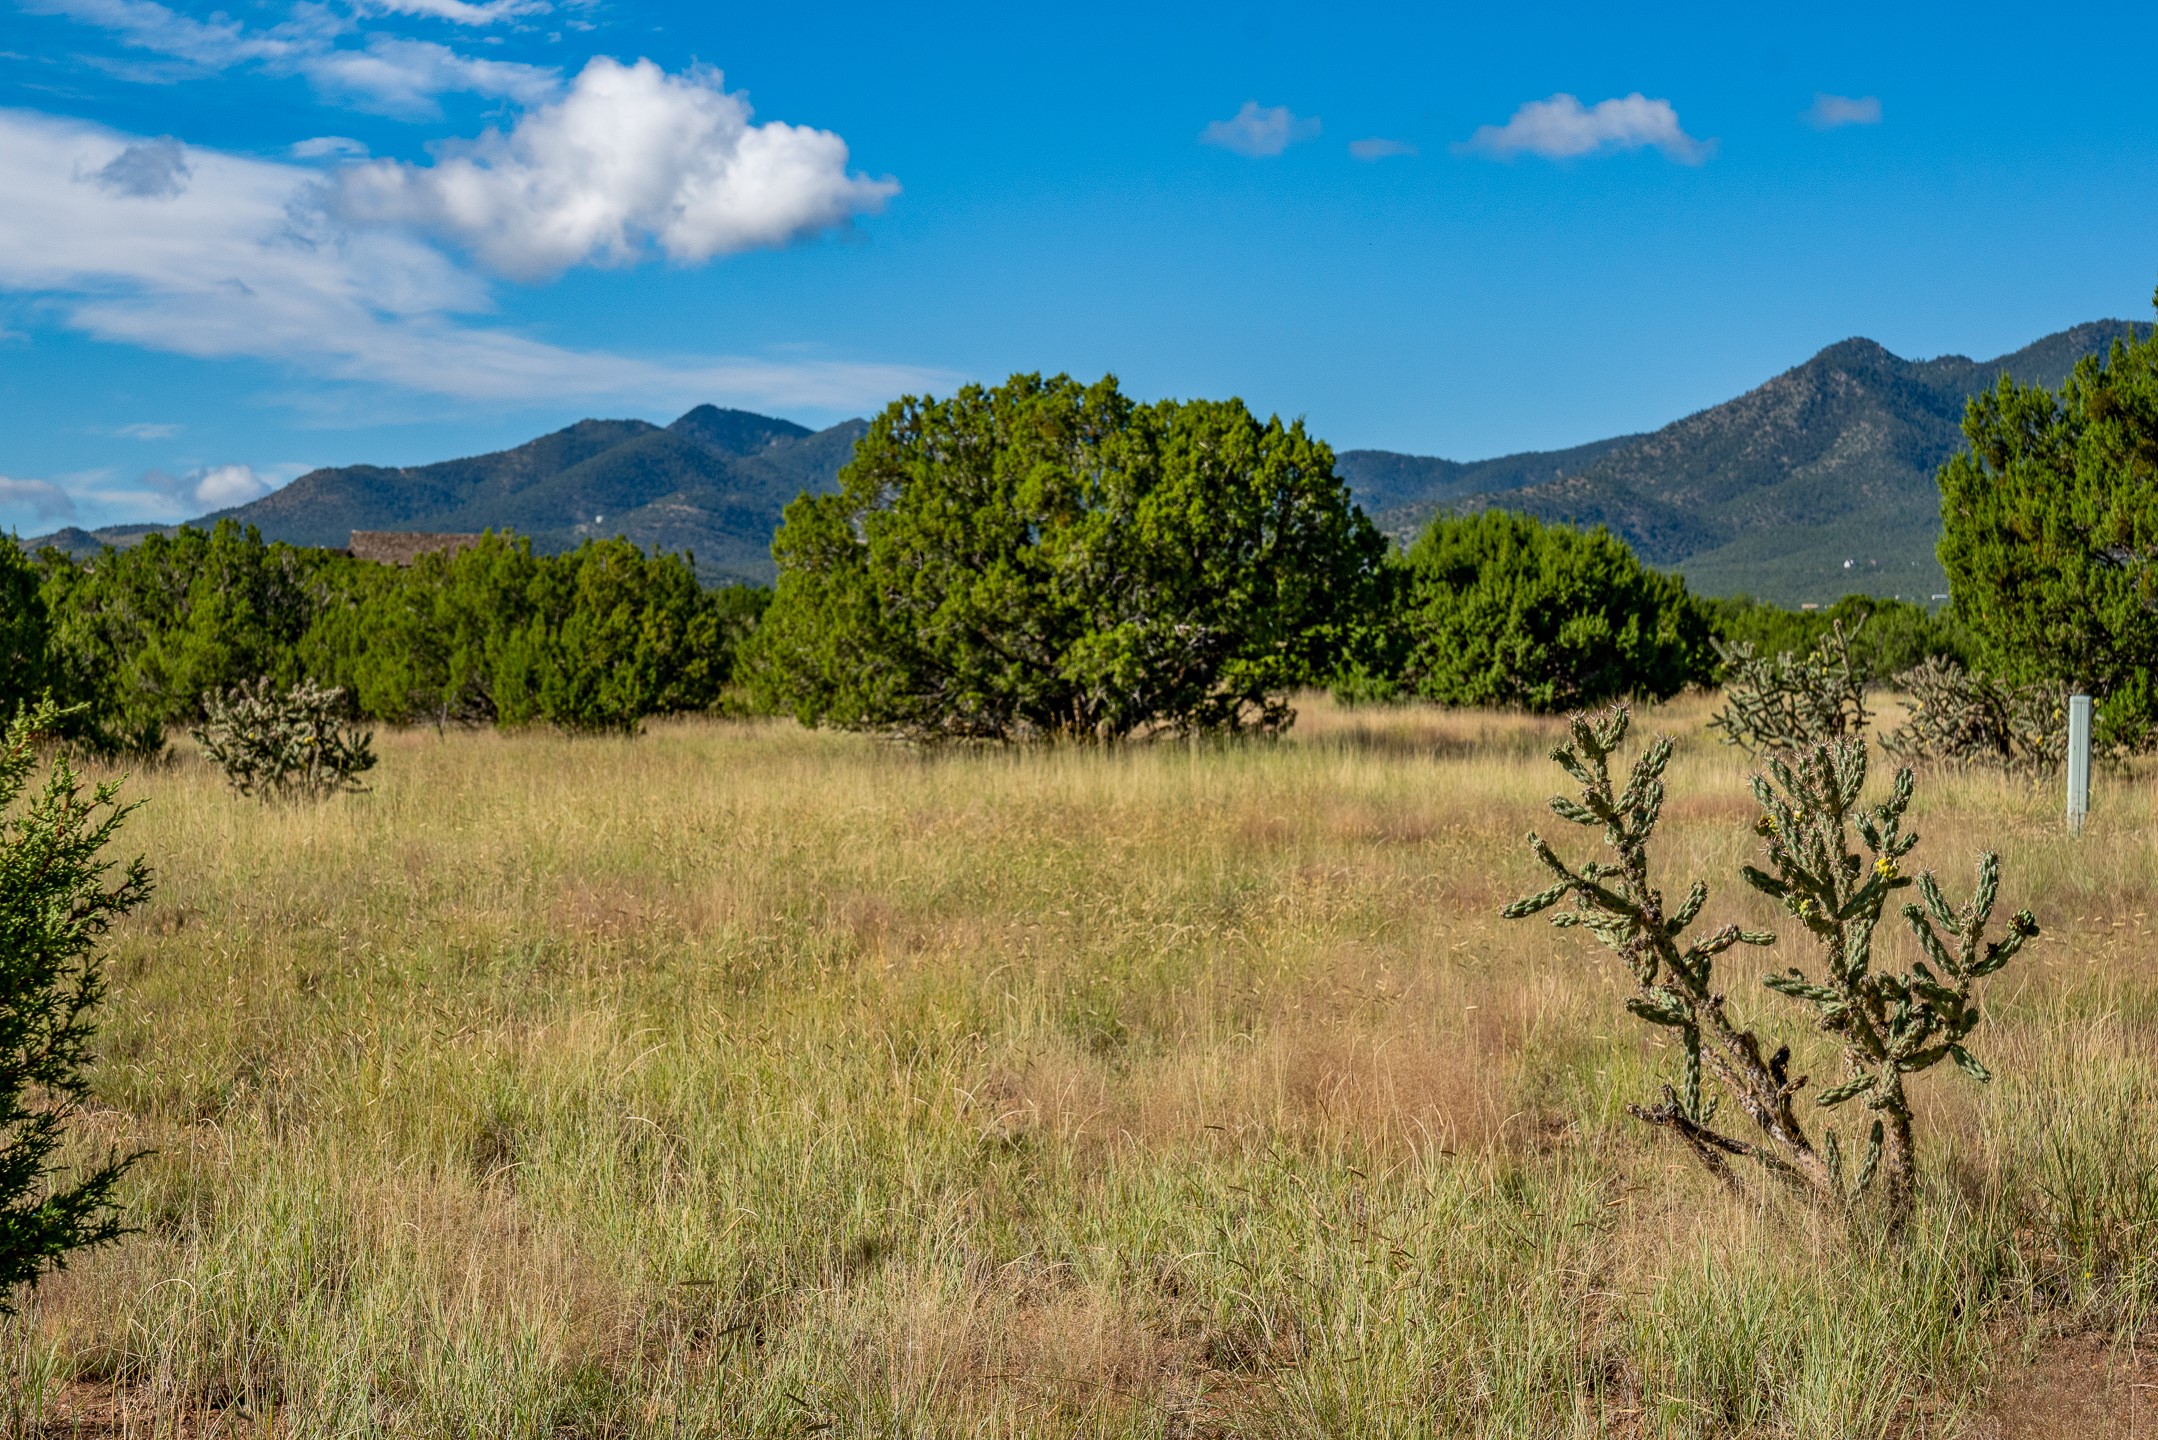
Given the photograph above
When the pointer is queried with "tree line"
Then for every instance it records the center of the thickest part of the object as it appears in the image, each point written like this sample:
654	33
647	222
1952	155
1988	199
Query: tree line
1046	559
136	642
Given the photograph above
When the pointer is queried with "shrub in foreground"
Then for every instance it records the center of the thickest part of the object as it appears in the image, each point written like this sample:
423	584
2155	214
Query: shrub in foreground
1051	560
1500	609
1833	864
55	906
289	745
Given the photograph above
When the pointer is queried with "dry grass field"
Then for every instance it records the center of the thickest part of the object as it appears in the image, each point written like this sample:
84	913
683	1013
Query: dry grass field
738	1080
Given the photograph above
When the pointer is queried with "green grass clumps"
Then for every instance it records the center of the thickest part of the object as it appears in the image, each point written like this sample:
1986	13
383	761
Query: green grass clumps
1172	1091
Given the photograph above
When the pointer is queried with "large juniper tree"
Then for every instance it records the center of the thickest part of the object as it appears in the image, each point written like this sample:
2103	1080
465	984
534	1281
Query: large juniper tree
1500	609
2049	532
58	897
1048	559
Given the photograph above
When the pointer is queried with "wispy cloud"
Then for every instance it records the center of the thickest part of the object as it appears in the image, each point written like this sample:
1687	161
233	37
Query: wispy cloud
378	72
1259	131
245	262
101	496
328	147
1562	128
1376	148
212	487
632	159
403	77
1830	112
147	430
459	12
39	501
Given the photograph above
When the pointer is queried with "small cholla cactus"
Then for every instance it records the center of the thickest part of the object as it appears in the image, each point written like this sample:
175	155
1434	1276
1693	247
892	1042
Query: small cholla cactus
290	746
1962	717
1777	704
1889	1025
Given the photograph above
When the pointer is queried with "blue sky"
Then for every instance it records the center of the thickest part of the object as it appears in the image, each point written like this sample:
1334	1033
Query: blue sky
239	243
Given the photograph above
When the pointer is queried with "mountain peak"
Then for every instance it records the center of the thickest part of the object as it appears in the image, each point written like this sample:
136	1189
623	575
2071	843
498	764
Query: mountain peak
1855	353
712	483
736	432
1817	482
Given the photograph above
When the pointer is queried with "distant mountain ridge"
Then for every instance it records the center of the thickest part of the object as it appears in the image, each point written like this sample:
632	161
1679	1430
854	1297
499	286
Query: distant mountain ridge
1815	484
713	484
1818	483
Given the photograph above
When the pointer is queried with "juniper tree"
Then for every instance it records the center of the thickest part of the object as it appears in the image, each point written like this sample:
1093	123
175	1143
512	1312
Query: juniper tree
1775	703
1501	609
58	898
1050	560
1833	864
2048	516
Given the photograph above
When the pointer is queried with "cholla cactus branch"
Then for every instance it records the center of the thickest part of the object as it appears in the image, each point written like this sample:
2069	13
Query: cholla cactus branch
1674	982
1834	864
290	746
1782	702
1961	717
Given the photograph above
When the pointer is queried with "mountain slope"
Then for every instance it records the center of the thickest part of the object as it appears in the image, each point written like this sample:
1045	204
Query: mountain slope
713	483
1385	481
1815	484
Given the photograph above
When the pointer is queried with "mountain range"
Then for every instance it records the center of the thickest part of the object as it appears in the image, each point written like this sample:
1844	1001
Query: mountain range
1816	484
713	484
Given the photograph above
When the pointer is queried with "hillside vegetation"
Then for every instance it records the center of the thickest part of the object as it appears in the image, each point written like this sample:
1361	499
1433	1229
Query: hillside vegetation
711	484
745	1080
1770	493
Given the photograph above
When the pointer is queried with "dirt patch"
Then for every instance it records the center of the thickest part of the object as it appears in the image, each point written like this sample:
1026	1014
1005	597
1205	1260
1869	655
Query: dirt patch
2085	1386
86	1411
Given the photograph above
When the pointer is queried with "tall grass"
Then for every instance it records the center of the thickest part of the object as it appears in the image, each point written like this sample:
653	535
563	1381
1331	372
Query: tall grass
738	1080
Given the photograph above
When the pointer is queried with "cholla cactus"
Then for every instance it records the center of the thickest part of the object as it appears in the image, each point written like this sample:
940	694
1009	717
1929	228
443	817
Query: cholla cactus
1962	717
292	746
1777	704
1889	1025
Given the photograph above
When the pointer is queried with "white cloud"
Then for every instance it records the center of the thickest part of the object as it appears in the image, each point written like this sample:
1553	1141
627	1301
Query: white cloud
1378	149
145	430
630	159
41	500
243	263
329	147
459	12
97	497
223	486
214	44
1562	127
383	73
403	77
1259	131
1832	111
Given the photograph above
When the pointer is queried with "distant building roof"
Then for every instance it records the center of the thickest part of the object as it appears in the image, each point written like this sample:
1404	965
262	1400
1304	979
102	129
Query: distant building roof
402	547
